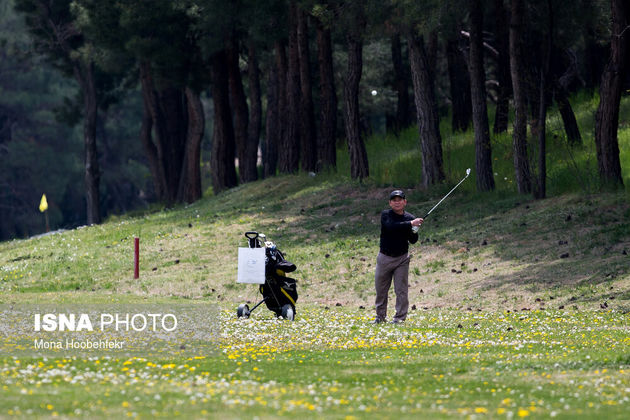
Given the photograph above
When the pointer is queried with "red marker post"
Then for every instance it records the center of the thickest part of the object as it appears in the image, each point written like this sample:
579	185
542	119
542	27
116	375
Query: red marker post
136	258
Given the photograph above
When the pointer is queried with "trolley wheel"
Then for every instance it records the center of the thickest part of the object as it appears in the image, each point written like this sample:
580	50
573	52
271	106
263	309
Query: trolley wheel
243	311
288	312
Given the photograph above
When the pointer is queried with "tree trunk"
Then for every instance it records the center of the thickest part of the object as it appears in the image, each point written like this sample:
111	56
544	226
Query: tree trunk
521	162
245	153
283	108
426	107
189	189
540	191
153	152
460	86
532	86
400	85
223	146
562	85
359	166
431	51
273	128
308	133
327	150
92	172
171	102
169	123
483	150
571	128
255	103
289	151
607	117
596	55
503	67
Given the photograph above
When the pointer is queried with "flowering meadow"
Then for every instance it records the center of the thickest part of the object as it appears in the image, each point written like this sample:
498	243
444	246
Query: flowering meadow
332	363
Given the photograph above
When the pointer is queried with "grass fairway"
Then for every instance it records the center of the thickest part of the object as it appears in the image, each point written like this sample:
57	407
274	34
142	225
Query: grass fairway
332	363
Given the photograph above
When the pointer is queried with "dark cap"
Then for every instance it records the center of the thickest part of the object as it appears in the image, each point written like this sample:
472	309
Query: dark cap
397	193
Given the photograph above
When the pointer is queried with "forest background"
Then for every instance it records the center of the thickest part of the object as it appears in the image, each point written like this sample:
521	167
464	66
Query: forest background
108	106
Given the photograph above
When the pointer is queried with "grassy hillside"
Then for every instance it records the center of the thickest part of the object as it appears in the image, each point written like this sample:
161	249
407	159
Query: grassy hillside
495	250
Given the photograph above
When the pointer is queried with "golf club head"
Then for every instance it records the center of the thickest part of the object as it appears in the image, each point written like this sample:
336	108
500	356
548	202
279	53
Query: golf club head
467	172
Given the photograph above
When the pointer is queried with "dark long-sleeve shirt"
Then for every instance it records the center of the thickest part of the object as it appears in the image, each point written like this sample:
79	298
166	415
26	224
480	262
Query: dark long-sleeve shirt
396	233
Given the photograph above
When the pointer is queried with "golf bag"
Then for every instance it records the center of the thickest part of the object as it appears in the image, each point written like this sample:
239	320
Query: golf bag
279	292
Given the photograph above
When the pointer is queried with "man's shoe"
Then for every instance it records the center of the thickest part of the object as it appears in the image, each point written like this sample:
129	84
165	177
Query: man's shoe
378	320
397	321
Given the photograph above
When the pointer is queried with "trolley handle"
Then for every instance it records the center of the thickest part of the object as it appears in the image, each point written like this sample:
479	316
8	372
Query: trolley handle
252	238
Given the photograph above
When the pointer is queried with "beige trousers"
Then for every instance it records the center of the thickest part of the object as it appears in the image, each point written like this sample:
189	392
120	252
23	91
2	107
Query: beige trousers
386	269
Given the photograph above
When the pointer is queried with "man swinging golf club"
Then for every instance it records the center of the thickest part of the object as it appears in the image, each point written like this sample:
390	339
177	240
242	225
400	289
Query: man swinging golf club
398	230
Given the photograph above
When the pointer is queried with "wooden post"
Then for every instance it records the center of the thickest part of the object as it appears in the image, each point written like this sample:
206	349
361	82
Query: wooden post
136	258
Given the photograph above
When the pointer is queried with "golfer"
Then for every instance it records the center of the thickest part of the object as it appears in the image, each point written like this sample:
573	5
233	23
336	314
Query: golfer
398	230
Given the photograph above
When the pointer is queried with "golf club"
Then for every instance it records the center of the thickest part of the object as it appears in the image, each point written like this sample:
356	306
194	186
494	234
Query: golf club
449	193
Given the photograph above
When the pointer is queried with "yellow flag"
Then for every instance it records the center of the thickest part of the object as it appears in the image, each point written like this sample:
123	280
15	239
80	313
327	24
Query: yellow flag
43	205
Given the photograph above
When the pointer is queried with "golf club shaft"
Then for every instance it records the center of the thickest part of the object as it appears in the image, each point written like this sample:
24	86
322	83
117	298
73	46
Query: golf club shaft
449	193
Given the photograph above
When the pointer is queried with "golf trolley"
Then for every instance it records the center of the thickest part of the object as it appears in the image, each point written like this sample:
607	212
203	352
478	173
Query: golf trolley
279	291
